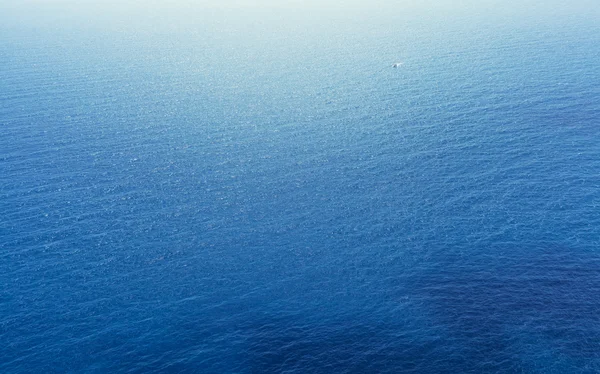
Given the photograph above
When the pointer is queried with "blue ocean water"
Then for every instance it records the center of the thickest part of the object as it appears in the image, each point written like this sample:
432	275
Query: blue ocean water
246	191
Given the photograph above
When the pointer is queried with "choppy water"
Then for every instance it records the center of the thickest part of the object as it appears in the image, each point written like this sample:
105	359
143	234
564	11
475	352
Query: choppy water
263	194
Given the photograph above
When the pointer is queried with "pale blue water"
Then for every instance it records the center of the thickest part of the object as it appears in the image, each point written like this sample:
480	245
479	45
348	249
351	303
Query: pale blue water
265	193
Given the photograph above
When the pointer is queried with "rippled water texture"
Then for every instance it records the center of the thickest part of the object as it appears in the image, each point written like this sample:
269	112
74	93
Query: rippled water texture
260	191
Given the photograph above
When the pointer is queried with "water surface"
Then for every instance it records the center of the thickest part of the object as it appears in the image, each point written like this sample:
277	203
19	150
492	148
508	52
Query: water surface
256	190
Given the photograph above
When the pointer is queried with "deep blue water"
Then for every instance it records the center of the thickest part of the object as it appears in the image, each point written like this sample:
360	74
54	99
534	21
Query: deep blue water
262	192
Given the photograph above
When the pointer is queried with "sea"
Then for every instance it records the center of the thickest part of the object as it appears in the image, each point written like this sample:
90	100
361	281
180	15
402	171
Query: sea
252	187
